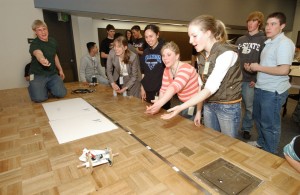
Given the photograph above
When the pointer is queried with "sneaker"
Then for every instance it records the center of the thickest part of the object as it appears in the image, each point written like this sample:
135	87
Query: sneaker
255	144
246	135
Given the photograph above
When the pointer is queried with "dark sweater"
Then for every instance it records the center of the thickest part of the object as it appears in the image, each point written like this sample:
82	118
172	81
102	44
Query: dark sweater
49	50
152	67
249	49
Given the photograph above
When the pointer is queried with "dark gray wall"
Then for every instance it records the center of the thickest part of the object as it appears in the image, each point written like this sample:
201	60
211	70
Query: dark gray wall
231	12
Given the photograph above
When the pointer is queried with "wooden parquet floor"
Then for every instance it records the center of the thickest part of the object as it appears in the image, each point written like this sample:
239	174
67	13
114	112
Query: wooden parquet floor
155	156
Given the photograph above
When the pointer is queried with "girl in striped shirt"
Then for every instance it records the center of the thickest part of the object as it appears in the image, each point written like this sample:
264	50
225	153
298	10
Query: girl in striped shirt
178	78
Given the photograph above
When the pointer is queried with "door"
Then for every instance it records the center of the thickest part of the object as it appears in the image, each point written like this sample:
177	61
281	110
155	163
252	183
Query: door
63	33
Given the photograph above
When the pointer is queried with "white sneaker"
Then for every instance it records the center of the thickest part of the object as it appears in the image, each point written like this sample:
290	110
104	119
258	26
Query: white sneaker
254	143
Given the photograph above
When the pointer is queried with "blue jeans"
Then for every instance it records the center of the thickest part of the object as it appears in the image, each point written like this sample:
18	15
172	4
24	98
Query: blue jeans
223	117
248	97
266	114
41	85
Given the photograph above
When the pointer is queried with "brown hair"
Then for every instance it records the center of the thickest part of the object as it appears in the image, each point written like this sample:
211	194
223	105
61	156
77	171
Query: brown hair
110	27
279	15
121	40
257	15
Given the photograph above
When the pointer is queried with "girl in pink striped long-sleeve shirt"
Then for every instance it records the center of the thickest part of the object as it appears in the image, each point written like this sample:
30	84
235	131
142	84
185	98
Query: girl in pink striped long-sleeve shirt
178	78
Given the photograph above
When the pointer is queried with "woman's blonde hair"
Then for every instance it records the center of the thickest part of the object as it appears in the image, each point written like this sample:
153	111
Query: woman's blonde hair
38	23
217	27
171	46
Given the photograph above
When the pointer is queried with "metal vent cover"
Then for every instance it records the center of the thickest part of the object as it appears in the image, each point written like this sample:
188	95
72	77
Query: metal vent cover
227	178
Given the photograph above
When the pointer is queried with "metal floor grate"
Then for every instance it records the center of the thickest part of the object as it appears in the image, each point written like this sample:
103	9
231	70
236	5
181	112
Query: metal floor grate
227	178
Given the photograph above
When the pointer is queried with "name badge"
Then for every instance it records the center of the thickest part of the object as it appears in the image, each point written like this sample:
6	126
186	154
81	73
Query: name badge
121	81
31	77
206	66
191	110
200	82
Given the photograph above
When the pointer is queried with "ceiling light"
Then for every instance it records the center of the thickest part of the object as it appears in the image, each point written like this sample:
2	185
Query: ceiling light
134	21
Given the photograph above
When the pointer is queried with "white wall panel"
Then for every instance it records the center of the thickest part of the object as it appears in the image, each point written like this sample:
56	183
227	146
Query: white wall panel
16	19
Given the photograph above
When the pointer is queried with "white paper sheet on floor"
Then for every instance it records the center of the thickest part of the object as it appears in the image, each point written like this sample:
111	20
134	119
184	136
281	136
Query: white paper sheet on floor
74	119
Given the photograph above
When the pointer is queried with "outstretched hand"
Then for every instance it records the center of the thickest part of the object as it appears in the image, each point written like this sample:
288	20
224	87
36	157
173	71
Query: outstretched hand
171	113
44	62
154	108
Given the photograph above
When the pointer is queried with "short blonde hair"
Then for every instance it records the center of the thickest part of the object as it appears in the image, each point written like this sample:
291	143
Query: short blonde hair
38	23
256	15
171	46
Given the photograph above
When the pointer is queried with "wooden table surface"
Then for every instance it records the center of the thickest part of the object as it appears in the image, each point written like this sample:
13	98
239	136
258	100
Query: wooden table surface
155	156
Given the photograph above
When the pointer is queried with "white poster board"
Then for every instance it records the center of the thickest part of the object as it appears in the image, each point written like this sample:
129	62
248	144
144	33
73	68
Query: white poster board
73	119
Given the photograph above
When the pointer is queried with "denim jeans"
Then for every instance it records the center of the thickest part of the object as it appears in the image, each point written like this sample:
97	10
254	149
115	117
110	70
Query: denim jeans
41	85
248	96
223	117
266	114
